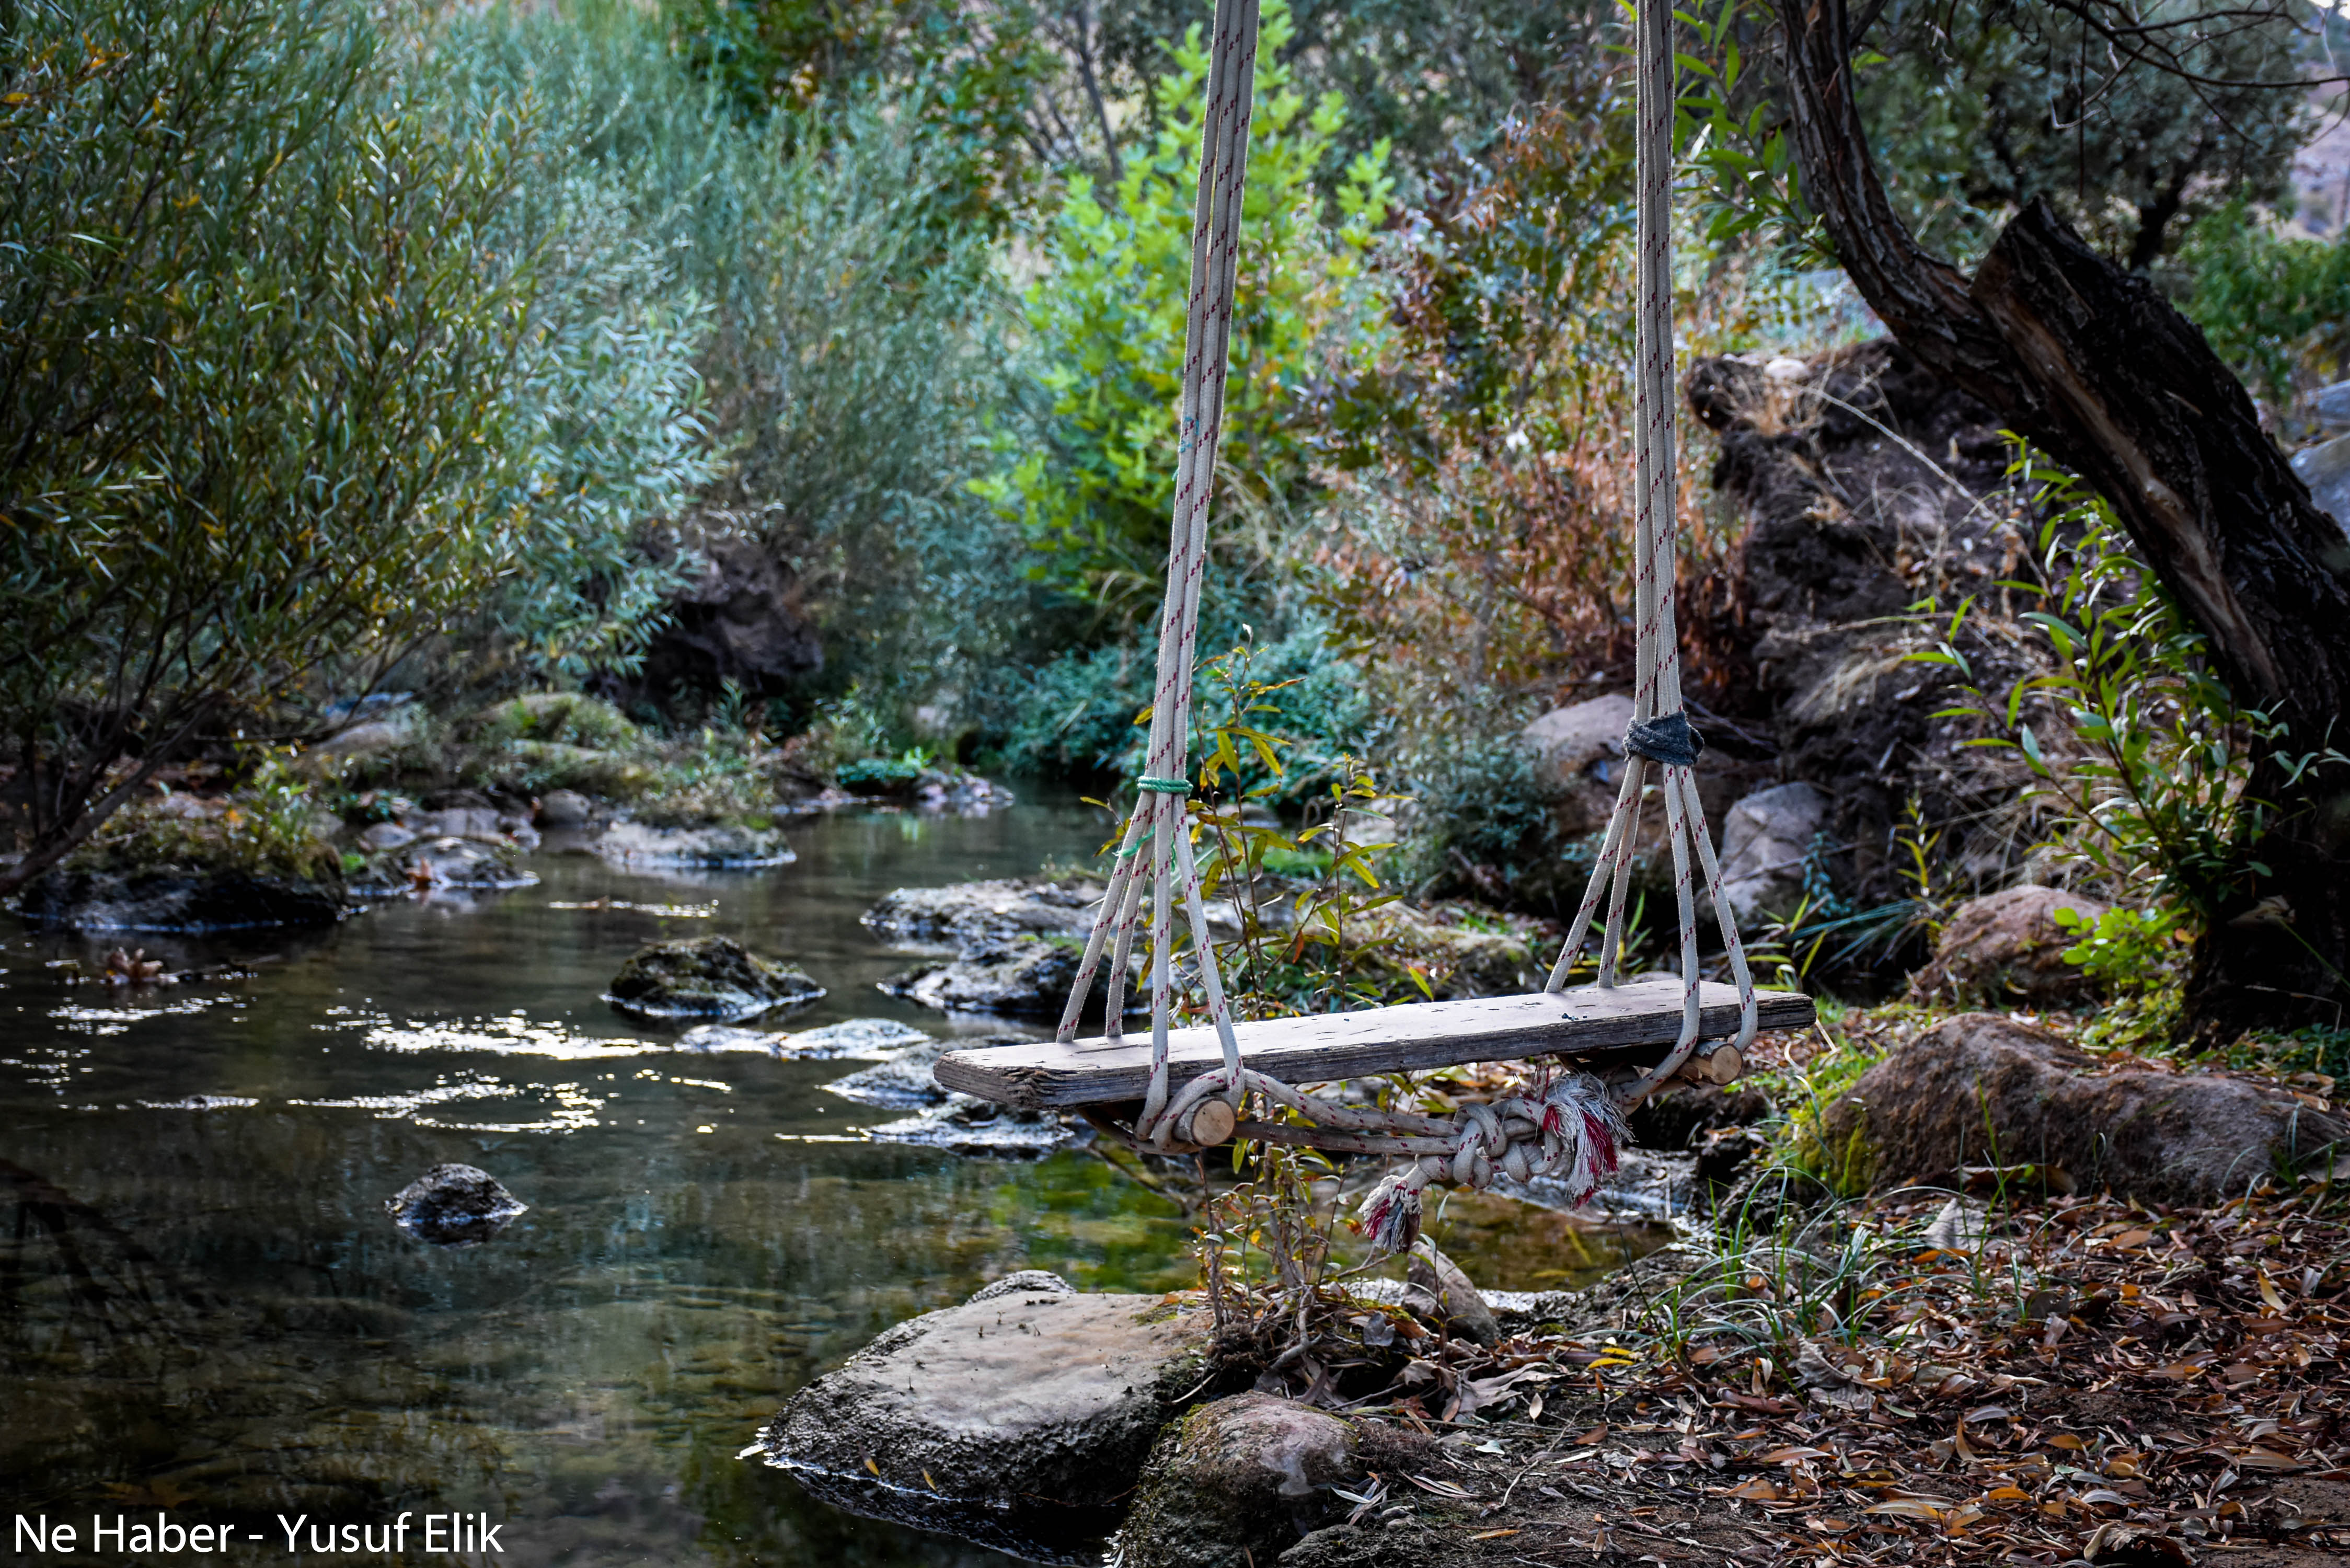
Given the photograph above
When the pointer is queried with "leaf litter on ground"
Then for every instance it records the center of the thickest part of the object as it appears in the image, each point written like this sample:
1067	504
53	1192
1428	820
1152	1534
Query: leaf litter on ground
1923	1378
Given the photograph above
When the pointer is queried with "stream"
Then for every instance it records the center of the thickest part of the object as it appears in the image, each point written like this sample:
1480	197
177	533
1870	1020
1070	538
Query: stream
205	1309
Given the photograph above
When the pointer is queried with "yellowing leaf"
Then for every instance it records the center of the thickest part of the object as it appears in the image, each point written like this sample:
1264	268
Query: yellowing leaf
1907	1508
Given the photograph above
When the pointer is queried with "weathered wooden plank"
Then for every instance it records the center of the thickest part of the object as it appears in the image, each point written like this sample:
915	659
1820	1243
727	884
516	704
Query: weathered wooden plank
1629	1022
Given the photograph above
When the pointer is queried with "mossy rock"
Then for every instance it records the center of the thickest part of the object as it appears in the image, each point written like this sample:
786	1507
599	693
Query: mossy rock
568	718
537	766
705	977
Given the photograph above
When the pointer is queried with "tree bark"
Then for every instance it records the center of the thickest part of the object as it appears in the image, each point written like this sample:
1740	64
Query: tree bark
2090	363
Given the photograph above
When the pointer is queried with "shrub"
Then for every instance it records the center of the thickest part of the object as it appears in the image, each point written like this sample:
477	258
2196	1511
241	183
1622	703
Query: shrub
1109	321
302	376
2277	309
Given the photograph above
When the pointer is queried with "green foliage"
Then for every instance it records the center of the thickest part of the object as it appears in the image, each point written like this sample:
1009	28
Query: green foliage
1826	933
2138	749
1732	136
1076	712
1108	319
883	775
2276	309
1484	804
1976	108
1497	56
266	828
1309	943
848	312
1847	1166
304	375
568	718
2146	763
259	357
970	74
2138	956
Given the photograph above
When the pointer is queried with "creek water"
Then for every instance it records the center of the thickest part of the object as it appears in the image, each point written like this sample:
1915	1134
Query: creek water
205	1310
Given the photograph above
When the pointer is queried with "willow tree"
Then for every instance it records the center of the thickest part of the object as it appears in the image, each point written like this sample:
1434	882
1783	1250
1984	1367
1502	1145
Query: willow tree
251	357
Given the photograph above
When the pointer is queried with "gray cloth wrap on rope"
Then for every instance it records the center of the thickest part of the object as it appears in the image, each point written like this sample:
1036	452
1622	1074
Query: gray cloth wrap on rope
1669	737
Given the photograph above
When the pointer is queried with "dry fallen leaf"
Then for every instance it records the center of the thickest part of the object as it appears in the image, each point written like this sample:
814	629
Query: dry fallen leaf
1908	1508
2267	1459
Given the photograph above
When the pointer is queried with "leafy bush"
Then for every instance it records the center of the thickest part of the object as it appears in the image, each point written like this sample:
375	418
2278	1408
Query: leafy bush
2277	309
268	827
1077	713
260	368
1108	319
569	718
844	313
2140	749
305	375
883	775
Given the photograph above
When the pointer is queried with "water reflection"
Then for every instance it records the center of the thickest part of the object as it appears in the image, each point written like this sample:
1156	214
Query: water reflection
204	1308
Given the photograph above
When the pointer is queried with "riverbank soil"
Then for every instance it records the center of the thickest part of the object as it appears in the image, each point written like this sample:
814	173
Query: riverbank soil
2043	1379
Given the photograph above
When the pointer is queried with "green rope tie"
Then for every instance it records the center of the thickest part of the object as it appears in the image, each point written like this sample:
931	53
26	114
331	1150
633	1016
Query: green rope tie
1129	852
1164	786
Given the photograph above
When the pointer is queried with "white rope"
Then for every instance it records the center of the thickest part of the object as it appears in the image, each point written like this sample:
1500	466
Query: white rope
1566	1128
1659	723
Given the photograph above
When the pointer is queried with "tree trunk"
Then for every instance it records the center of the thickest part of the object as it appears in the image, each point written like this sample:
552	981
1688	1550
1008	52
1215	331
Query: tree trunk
2092	364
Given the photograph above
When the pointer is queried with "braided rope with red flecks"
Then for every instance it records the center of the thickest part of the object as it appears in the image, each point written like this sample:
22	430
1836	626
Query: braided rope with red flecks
1567	1127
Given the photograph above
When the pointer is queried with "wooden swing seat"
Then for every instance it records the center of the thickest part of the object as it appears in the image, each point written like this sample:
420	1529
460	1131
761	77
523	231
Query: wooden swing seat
1633	1024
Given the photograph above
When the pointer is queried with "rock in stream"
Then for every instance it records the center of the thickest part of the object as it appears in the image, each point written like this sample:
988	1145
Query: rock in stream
455	1205
169	899
705	977
1019	1420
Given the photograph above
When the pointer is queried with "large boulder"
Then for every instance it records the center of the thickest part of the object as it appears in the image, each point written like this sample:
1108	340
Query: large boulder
369	740
741	620
1765	840
970	915
564	808
169	898
1983	1090
1578	752
705	977
1238	1481
2325	469
2008	946
1019	1421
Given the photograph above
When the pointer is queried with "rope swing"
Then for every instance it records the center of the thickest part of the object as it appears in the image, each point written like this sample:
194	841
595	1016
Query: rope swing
1563	1124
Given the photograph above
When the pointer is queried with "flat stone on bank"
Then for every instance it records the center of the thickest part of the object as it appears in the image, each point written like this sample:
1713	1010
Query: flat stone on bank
1019	1421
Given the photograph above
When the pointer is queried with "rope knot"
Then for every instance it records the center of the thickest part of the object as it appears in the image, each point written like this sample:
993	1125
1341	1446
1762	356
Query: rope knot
1163	786
1669	737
